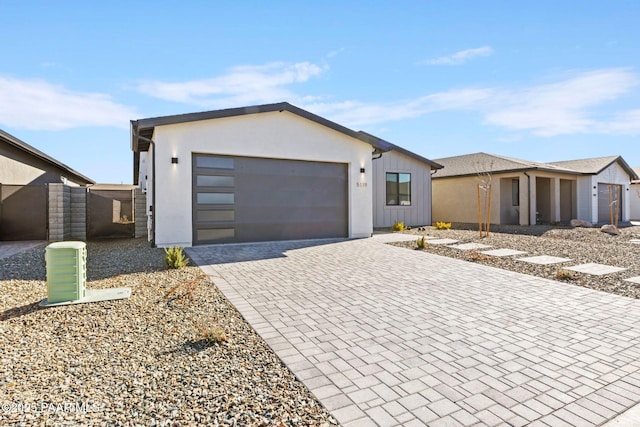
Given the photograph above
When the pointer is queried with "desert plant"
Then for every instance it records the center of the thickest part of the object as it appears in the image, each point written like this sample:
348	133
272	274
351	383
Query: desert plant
440	225
183	290
175	258
398	226
210	332
477	256
562	274
422	242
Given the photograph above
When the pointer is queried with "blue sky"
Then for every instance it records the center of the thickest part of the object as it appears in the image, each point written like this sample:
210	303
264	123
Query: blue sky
539	80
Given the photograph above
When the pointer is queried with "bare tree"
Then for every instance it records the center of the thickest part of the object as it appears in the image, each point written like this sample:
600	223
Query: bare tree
484	177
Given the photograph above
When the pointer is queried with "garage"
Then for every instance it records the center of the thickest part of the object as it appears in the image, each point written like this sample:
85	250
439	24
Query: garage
609	195
250	199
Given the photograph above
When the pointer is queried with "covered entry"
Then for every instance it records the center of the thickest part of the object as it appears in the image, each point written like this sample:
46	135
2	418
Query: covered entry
249	199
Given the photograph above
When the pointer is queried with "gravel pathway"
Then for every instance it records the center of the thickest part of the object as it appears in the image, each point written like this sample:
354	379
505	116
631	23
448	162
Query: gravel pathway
141	361
581	245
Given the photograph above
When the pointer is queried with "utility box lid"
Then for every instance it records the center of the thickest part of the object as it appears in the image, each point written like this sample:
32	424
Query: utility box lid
66	245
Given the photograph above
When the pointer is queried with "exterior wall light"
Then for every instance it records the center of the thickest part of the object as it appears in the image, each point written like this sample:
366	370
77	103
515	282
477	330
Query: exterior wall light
174	160
362	170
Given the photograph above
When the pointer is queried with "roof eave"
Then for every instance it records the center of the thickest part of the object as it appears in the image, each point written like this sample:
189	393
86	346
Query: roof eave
73	175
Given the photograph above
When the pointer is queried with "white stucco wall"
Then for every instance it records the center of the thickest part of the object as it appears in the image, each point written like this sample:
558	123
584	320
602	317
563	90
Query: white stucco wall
419	213
271	135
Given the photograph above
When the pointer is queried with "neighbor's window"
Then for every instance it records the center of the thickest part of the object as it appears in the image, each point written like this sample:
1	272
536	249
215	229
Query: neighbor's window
398	189
515	192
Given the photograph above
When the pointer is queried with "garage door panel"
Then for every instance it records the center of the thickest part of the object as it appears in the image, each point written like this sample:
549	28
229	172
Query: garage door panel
267	199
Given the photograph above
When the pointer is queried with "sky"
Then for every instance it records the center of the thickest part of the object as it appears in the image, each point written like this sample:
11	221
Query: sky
537	80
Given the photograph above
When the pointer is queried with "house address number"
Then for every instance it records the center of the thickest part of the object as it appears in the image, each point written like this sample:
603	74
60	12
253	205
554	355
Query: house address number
361	184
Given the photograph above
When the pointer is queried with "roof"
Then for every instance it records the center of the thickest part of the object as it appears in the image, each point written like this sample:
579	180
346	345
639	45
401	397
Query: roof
392	147
23	146
479	163
596	165
145	127
637	171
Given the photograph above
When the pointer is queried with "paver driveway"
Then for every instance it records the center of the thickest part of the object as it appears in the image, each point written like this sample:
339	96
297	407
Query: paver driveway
388	336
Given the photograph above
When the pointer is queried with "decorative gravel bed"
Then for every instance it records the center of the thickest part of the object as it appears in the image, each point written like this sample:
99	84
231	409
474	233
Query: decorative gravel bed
141	361
581	245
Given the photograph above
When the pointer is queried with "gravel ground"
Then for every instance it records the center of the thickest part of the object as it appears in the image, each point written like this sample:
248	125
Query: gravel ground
581	245
141	361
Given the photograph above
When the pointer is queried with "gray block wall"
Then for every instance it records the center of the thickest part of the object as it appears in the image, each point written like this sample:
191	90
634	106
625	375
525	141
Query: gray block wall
67	213
140	213
59	206
78	213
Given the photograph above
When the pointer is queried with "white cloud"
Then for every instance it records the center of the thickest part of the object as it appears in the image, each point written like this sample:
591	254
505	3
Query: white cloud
242	85
565	107
354	113
39	105
573	105
461	57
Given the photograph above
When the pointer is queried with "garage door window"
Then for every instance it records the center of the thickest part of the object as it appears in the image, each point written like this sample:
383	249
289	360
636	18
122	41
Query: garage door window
216	198
398	189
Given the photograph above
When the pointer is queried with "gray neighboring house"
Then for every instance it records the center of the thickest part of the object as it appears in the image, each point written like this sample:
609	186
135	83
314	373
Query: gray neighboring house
32	192
524	192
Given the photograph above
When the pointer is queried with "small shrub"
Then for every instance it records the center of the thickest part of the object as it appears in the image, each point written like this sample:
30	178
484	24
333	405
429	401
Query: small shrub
422	242
174	257
183	290
210	332
440	225
399	226
477	256
562	274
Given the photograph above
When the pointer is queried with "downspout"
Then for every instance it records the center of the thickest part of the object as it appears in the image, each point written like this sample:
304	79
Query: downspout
528	195
153	188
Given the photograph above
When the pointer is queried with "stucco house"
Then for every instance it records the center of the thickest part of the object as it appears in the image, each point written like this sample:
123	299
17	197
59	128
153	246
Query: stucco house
272	172
525	192
27	178
635	197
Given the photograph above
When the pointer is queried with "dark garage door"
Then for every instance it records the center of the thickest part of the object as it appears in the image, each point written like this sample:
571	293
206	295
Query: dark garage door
246	199
607	194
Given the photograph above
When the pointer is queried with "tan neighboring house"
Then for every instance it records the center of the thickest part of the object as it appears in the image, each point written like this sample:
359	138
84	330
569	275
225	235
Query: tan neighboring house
635	197
525	192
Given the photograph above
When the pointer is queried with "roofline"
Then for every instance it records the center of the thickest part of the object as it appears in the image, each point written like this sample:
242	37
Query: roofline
632	174
151	123
503	171
21	145
393	147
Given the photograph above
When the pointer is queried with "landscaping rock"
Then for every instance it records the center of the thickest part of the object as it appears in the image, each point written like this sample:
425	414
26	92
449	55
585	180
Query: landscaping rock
580	223
610	229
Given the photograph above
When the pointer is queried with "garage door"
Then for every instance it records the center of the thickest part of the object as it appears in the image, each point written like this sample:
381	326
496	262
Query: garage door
606	194
247	199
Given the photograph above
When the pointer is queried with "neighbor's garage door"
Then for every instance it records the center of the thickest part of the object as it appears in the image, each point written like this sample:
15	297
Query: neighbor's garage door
247	199
606	194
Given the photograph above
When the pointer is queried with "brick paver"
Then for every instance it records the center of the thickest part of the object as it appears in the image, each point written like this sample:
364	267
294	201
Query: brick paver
384	335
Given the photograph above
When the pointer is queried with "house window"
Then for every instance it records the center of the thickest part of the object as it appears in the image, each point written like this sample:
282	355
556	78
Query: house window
515	192
398	189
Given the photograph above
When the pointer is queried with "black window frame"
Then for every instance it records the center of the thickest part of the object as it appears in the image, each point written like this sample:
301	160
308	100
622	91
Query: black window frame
397	189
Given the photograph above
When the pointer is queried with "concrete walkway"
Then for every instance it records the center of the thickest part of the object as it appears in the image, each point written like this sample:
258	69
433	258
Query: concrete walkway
8	249
388	336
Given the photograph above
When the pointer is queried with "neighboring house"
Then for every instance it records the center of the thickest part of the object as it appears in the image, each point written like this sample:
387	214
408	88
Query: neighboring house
635	197
27	178
525	192
22	164
272	172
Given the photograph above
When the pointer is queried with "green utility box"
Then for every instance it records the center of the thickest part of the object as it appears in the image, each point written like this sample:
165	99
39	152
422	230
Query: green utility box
66	271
